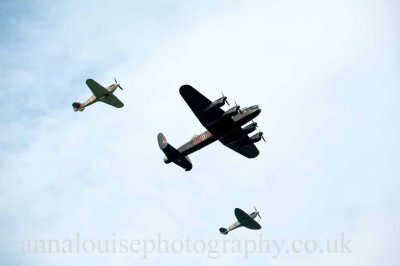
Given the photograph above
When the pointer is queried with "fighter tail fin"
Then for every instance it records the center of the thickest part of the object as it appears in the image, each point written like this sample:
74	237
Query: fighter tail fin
223	231
172	154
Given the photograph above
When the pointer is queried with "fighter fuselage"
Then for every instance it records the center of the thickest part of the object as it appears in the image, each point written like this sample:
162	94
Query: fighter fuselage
92	99
238	224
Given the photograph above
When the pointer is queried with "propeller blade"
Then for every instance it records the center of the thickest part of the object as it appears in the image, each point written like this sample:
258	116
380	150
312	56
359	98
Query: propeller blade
262	135
258	213
240	111
225	99
119	86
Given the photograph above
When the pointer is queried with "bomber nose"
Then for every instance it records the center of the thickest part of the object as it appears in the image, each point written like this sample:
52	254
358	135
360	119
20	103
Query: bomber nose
257	108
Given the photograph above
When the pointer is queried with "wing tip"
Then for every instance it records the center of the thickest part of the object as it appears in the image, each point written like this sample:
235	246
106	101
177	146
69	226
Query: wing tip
185	88
238	210
252	156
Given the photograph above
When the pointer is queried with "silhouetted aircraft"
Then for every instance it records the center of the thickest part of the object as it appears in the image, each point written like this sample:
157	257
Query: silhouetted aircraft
105	95
243	219
225	126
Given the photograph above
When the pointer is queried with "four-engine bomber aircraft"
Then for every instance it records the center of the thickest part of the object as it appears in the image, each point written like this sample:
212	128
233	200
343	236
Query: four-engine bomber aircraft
225	126
245	220
105	95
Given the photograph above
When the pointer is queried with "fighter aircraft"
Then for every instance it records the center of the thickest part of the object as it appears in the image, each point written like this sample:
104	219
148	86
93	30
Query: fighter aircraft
105	95
225	126
244	219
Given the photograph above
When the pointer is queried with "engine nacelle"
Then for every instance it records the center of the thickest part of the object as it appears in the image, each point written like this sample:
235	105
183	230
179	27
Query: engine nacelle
231	112
256	138
216	104
250	128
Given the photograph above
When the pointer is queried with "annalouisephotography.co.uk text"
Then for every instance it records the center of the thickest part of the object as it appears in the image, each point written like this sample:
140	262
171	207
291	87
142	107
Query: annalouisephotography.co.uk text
212	248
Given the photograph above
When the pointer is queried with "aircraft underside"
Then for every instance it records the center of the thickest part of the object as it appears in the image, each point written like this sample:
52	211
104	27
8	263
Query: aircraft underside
225	126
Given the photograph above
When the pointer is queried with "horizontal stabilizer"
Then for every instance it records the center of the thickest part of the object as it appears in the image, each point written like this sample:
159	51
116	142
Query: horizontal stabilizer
78	106
172	154
184	162
223	231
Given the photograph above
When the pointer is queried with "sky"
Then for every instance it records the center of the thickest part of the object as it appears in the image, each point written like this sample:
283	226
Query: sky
325	73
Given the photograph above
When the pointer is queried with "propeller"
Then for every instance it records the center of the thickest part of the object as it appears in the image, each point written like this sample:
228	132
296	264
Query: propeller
119	86
240	111
225	99
262	135
254	123
258	213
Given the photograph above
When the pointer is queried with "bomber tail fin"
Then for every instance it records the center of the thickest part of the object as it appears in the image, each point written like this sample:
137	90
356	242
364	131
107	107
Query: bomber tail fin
172	154
223	231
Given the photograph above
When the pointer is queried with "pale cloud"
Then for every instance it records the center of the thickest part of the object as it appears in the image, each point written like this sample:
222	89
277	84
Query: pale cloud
323	73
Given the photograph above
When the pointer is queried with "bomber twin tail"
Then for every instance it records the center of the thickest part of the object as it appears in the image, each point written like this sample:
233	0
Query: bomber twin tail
225	126
105	95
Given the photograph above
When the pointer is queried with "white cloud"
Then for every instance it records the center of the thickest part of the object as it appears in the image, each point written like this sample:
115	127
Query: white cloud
312	67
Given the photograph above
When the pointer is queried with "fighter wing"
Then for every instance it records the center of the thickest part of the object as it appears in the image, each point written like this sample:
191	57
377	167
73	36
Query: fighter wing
198	103
111	99
234	141
245	220
98	90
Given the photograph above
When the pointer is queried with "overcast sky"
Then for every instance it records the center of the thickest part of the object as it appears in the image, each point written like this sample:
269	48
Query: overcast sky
325	73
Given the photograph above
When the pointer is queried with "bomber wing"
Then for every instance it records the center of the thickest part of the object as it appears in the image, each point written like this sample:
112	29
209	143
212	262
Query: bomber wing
245	220
249	151
198	103
233	141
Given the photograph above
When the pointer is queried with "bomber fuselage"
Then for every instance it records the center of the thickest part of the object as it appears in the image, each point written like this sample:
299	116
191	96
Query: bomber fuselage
221	128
